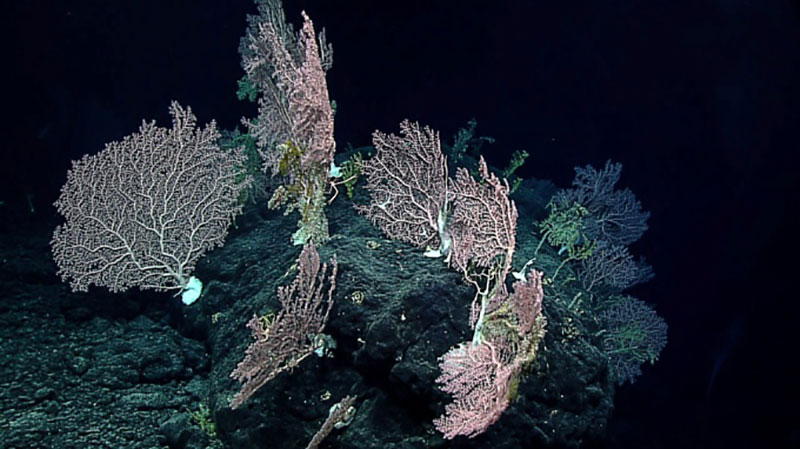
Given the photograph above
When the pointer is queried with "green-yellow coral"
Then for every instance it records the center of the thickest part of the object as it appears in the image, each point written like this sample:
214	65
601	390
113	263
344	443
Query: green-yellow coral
313	224
517	159
577	252
202	417
236	139
304	191
290	161
563	227
246	89
351	170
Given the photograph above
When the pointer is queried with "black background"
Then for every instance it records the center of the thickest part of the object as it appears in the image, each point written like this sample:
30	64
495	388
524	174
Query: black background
697	98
